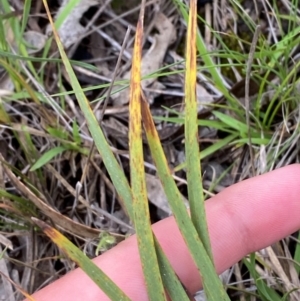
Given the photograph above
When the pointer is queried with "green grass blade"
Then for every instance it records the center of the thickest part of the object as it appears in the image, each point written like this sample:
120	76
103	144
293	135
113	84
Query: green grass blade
297	255
211	282
137	175
265	292
3	43
114	169
26	12
232	122
20	204
4	117
210	150
193	168
215	124
87	265
65	12
47	156
254	141
171	282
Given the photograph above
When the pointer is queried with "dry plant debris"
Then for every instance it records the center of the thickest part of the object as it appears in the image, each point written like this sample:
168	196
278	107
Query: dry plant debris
152	60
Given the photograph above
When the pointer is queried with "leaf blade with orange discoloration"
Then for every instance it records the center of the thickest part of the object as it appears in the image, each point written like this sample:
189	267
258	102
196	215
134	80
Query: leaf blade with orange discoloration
87	265
142	222
211	282
194	177
17	287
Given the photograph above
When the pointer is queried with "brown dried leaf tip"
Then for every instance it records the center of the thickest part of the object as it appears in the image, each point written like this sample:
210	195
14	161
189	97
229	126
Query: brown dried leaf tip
49	231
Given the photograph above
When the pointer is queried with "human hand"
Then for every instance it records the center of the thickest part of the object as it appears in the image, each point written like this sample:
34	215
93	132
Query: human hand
243	218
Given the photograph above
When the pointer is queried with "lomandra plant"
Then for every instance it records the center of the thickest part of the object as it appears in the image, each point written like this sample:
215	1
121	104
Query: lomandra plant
159	276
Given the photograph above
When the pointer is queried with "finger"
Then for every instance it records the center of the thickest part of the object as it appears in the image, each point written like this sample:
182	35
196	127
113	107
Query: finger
243	218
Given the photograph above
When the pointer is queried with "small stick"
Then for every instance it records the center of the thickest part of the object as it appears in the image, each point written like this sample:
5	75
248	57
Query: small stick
247	98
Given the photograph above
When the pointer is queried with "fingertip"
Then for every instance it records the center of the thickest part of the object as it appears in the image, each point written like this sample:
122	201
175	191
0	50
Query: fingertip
258	212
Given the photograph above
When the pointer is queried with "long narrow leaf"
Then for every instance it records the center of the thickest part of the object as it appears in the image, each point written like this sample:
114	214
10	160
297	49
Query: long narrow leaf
26	12
265	292
137	175
201	47
297	255
208	61
194	177
210	150
46	157
211	282
119	179
88	266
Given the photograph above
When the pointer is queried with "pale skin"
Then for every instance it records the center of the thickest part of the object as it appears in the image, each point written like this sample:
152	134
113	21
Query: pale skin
245	217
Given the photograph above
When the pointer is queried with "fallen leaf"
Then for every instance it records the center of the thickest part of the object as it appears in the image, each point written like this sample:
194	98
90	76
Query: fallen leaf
71	29
157	196
35	41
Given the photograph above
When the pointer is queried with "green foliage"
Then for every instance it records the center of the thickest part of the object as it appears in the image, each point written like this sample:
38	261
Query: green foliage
266	293
46	157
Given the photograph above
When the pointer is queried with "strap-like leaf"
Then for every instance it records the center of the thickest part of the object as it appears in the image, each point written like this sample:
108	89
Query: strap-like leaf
137	175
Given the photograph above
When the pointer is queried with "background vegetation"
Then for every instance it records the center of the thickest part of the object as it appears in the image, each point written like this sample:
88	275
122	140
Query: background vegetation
69	120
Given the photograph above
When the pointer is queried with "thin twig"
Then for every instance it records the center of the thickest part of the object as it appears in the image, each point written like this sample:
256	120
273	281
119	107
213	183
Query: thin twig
115	73
247	98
